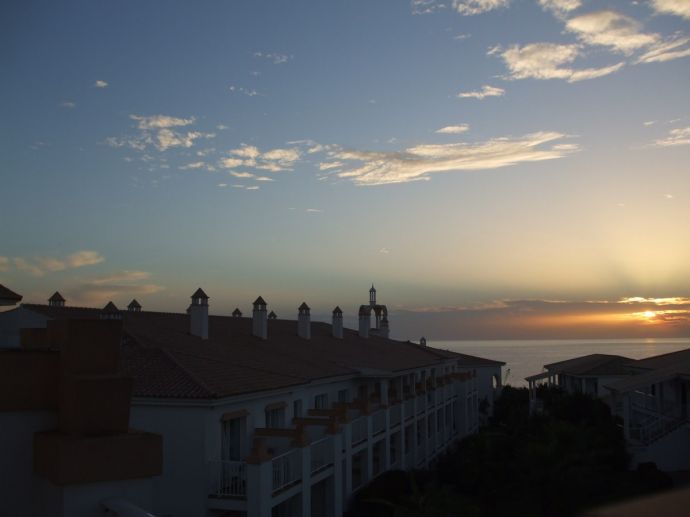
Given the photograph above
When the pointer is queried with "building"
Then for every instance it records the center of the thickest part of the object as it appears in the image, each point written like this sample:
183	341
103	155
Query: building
649	395
280	417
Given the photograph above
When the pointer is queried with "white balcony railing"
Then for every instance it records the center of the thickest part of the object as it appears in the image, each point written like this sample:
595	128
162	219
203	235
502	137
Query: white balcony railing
287	469
421	404
359	430
395	415
379	422
228	478
321	453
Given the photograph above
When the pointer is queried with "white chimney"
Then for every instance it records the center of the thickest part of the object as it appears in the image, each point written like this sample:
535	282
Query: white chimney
337	326
384	330
56	300
304	321
134	306
364	321
198	314
259	319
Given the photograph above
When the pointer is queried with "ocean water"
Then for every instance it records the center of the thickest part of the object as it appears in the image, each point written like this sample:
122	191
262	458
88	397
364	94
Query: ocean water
527	357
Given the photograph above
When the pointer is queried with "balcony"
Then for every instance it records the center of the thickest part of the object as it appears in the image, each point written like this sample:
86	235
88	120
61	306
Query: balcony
287	470
359	430
321	454
228	479
409	409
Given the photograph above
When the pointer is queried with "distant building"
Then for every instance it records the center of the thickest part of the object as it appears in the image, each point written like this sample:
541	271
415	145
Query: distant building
649	395
265	416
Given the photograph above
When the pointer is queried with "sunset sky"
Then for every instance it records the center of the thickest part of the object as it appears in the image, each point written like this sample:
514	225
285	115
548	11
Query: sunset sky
497	168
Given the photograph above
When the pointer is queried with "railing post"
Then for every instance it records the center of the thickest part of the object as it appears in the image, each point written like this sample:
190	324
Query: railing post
337	473
370	449
347	441
626	416
306	480
260	488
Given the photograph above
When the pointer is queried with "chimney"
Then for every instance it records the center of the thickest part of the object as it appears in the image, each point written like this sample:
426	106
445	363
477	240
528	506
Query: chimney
110	312
304	321
259	320
272	316
422	341
364	321
198	314
337	326
56	300
237	313
134	306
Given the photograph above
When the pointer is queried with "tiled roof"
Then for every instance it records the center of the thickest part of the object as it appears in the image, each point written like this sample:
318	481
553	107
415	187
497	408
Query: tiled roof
592	364
663	360
8	294
134	304
166	361
57	297
199	293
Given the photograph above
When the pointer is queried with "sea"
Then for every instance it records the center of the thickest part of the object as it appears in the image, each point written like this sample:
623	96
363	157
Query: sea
527	357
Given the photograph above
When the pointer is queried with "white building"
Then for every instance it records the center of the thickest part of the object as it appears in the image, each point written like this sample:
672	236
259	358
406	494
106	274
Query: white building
649	395
263	416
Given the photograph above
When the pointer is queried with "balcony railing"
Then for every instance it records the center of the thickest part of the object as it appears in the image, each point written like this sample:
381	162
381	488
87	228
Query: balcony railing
228	478
395	415
287	469
421	404
379	422
359	430
321	454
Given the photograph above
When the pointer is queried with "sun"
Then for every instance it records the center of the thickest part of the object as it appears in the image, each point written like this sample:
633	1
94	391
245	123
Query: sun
649	314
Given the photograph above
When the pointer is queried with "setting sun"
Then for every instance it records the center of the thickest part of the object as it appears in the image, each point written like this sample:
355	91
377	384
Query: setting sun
649	314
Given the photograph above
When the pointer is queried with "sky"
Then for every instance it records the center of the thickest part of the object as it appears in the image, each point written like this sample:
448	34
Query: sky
498	168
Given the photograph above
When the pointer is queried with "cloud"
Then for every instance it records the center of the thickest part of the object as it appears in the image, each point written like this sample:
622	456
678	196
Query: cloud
326	166
532	319
274	57
676	7
68	104
472	7
453	130
611	29
384	251
194	165
158	131
39	266
4	264
123	285
675	137
263	178
161	121
548	61
417	163
100	84
242	174
484	92
673	48
426	6
249	92
274	160
314	210
253	187
560	7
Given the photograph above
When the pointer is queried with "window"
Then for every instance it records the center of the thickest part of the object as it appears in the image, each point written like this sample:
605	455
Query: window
321	401
275	418
344	395
231	439
297	408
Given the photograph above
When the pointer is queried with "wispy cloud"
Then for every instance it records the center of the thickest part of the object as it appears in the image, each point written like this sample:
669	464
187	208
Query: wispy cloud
39	266
676	7
314	210
100	84
68	104
159	131
610	29
472	7
274	160
666	50
560	7
4	264
122	285
426	6
249	92
244	175
453	130
484	92
326	166
275	57
549	61
675	137
419	162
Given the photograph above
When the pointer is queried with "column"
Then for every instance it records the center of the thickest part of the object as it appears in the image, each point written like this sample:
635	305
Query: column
338	474
259	489
347	434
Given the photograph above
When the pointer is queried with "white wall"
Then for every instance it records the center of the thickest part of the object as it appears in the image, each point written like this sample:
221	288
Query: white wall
12	321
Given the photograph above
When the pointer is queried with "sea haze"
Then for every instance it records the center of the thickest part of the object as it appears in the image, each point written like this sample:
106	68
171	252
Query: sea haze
527	357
